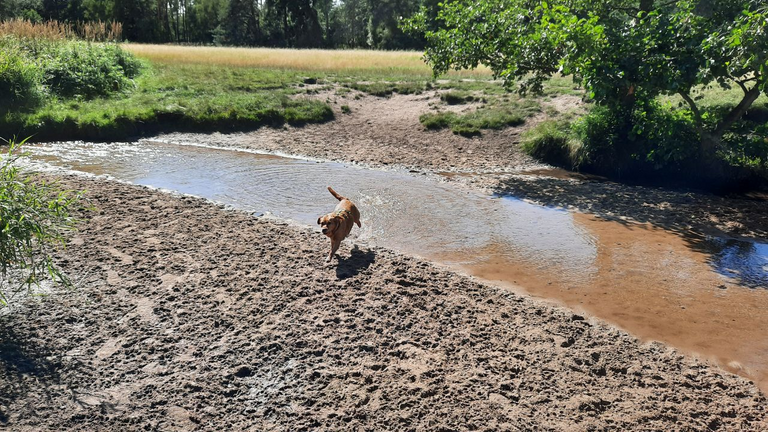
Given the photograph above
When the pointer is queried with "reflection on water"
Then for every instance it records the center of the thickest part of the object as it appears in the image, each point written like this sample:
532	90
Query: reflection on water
746	262
649	281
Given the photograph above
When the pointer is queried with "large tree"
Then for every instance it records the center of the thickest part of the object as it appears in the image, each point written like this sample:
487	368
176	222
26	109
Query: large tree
622	51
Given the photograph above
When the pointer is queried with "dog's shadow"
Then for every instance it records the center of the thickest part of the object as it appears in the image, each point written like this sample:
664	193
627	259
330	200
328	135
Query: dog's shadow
357	261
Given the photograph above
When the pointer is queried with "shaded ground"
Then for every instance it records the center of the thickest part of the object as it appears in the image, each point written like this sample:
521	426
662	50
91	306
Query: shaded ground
684	212
191	317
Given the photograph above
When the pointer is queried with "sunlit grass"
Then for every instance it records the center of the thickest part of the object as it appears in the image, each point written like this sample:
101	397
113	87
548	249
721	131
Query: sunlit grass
174	97
383	64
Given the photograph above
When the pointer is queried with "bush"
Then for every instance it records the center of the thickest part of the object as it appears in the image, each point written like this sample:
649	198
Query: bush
554	143
647	138
747	149
33	219
89	69
20	79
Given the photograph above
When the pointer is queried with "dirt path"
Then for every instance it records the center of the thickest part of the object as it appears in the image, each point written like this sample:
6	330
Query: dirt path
190	317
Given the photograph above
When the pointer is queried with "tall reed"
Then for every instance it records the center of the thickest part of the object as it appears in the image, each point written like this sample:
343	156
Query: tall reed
96	31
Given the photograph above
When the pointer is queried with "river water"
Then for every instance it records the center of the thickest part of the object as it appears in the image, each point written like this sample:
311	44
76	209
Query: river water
703	295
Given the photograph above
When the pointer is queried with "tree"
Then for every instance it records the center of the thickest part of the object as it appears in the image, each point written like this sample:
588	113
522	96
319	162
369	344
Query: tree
624	52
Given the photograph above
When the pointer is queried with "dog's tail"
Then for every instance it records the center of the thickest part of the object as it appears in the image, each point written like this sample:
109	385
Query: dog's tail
333	192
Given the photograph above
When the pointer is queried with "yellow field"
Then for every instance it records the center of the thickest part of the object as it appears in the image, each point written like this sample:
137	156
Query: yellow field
328	61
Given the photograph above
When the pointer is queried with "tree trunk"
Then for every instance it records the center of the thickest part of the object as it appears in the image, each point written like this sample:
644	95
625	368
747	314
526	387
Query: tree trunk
738	111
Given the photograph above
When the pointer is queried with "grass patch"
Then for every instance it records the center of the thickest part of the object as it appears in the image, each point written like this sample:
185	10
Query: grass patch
384	88
553	142
497	116
436	121
456	97
172	98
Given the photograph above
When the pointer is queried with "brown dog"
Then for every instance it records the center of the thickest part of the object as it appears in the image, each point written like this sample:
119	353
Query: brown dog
338	224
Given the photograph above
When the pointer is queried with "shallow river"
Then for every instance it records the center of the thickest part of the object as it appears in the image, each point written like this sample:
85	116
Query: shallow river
703	295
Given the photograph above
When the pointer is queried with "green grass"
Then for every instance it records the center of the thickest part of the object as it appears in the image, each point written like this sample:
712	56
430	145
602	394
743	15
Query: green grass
387	88
174	97
496	114
554	142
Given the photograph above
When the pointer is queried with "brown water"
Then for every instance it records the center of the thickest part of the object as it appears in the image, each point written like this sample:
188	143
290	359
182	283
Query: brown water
703	295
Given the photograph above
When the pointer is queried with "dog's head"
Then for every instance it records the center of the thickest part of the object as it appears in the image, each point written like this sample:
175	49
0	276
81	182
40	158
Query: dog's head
328	224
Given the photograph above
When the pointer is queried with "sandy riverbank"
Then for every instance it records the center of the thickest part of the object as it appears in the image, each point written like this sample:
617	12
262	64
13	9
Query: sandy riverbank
190	317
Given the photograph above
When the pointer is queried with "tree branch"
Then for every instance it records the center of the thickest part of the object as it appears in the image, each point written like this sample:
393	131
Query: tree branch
749	97
694	109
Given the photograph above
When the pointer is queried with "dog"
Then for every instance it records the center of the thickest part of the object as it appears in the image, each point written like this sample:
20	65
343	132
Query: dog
338	224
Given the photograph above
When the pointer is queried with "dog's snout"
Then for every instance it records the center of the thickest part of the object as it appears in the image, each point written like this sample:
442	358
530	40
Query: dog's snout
325	230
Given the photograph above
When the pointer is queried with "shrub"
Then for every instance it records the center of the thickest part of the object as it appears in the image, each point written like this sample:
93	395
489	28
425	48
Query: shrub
89	69
747	149
33	219
20	79
552	142
649	137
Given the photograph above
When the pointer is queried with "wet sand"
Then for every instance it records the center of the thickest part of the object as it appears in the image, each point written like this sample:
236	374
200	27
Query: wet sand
191	317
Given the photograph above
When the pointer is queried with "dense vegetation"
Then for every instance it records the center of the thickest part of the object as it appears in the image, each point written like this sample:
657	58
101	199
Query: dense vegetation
630	56
275	23
53	87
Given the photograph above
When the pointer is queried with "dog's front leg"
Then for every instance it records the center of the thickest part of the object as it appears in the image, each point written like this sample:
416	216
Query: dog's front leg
334	247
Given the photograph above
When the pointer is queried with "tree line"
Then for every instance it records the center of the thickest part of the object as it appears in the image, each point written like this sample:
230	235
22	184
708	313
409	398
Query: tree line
274	23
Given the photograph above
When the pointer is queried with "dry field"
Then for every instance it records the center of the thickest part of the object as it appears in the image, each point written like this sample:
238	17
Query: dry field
408	63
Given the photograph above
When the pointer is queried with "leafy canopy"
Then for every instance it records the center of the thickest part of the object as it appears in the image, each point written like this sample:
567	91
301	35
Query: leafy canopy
620	50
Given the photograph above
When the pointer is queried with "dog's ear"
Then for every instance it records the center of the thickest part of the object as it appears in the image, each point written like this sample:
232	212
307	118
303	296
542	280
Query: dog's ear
318	221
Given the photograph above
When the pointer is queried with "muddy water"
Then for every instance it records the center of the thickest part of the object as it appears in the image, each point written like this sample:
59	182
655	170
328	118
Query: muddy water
704	295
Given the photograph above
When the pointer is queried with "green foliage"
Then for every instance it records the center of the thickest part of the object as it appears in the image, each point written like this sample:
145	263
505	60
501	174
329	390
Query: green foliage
176	97
34	218
276	23
553	142
623	53
64	68
646	138
20	79
87	69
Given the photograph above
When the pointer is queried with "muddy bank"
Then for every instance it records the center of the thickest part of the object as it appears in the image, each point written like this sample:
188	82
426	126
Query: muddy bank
190	317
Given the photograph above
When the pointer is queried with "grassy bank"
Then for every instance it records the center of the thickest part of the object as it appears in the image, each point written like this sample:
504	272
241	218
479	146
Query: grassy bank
207	89
173	97
60	88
